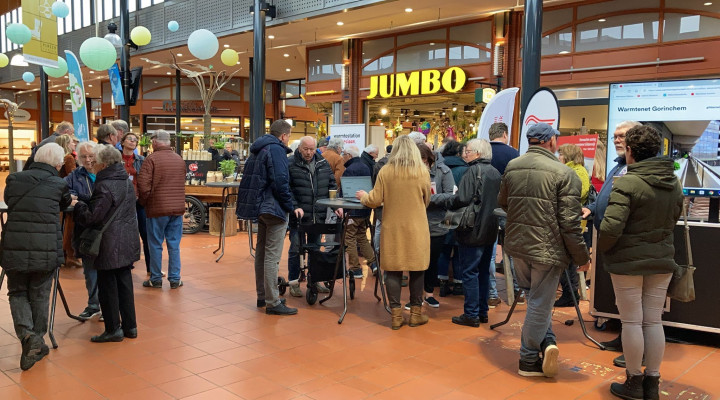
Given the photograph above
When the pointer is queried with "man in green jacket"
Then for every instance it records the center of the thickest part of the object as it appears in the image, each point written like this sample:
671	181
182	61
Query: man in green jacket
542	199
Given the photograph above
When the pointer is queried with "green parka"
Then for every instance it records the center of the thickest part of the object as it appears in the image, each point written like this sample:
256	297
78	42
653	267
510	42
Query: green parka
636	234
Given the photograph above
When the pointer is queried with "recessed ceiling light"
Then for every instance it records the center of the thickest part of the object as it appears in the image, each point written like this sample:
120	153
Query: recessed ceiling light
13	85
226	46
179	54
602	20
169	73
92	72
708	3
564	52
154	81
432	43
287	69
317	60
340	23
27	83
286	55
237	63
408	9
88	85
271	36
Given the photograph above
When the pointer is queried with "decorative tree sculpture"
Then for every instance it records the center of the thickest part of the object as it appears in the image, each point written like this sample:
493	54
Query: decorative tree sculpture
208	90
11	108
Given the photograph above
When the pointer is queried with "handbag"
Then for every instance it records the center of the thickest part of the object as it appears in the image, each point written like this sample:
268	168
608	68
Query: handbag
682	283
90	238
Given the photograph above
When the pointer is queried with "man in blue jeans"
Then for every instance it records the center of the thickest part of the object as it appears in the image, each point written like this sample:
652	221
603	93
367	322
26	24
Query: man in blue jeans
161	189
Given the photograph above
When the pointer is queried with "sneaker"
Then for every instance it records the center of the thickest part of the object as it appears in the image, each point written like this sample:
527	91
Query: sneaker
321	288
467	320
494	302
88	313
520	296
550	360
281	309
565	301
295	290
530	369
151	284
407	306
432	302
374	268
175	284
355	273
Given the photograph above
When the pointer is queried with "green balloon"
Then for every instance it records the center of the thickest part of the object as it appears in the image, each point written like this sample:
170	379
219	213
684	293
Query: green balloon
98	54
58	72
18	33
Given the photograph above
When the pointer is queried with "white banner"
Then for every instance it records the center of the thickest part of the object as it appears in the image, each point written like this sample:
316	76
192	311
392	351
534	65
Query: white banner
543	107
500	109
352	134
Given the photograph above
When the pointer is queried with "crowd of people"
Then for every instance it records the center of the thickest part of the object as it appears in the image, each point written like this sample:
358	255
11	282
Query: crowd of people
433	209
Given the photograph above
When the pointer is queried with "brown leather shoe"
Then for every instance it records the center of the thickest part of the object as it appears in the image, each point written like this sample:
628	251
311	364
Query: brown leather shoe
397	318
417	318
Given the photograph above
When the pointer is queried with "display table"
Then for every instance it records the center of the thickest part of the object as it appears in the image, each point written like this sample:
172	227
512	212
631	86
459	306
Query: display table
228	189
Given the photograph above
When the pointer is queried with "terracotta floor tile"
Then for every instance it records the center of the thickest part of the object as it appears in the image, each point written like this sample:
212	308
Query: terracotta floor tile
202	364
14	392
80	393
187	386
5	380
213	394
164	374
338	391
226	375
255	387
282	394
216	345
151	393
113	386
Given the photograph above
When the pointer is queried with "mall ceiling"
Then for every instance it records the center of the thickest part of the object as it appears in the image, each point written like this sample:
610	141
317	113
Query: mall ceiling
286	43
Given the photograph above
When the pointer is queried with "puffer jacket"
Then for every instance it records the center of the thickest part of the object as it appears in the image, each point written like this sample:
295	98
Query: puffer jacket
32	236
368	160
307	188
636	234
161	183
265	184
120	244
357	167
542	199
458	166
479	186
80	184
441	175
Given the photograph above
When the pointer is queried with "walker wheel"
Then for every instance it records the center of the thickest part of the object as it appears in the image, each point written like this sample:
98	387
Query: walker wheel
311	296
352	288
600	326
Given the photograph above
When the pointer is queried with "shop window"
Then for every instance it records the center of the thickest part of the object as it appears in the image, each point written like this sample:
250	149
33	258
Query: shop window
157	88
698	5
556	18
617	31
424	56
371	50
107	9
559	42
683	26
595	9
425	36
478	34
325	63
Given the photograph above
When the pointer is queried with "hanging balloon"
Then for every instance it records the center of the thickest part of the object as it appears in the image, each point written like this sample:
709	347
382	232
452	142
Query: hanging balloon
140	35
173	26
18	33
58	72
60	9
28	77
229	57
425	127
98	54
4	60
203	44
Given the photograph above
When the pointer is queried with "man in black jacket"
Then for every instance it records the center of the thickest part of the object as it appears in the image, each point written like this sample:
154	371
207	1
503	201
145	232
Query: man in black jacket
311	179
63	128
369	155
35	198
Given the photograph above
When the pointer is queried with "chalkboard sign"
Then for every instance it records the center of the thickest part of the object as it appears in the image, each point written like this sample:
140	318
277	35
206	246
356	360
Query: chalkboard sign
196	171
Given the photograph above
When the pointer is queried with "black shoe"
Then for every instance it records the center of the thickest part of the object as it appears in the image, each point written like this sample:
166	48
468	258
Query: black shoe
651	387
564	301
151	284
632	389
467	320
458	289
619	361
106	336
175	284
614	345
31	350
281	309
445	288
520	296
88	313
530	369
261	303
130	333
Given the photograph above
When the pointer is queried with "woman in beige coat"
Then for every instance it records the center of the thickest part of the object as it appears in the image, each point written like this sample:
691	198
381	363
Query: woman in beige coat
403	189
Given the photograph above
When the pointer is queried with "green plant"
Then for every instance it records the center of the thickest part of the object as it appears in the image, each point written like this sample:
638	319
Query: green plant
227	167
219	143
144	141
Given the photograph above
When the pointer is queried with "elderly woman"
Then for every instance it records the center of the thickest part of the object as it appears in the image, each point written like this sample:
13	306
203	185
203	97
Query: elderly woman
403	189
113	203
81	182
133	162
31	247
636	237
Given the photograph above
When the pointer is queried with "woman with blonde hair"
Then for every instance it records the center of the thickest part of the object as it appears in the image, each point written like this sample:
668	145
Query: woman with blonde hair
68	144
598	172
403	189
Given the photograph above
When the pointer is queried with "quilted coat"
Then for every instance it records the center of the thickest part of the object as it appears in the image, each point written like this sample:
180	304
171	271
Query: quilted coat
161	183
307	188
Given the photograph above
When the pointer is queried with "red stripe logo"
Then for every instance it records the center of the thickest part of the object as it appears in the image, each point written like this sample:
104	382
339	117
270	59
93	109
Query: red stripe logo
533	119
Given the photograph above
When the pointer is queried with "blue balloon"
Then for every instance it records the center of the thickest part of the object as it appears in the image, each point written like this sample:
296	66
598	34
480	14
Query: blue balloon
60	9
173	26
203	44
28	77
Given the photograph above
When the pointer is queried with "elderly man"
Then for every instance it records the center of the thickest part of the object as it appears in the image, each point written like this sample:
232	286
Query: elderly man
264	196
542	199
311	179
121	127
333	154
477	189
322	145
63	128
369	155
356	230
161	190
29	257
106	134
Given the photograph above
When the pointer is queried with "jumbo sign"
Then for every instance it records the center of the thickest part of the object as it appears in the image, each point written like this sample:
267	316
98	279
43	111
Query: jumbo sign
417	83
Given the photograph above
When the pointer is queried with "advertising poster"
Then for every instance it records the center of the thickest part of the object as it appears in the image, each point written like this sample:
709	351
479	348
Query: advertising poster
42	49
77	97
588	144
116	85
352	134
500	109
543	107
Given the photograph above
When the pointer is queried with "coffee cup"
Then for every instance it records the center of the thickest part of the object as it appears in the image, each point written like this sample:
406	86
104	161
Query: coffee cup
333	193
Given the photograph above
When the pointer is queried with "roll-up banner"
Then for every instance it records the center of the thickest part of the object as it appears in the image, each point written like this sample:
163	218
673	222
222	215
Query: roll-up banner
499	109
42	49
77	97
543	107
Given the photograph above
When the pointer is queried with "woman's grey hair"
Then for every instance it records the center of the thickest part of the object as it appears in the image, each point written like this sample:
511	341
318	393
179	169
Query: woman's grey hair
104	131
120	125
87	146
107	154
51	154
336	143
482	146
371	148
352	150
418	137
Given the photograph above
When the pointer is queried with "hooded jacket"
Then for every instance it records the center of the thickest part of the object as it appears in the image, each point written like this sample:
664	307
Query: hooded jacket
265	184
458	166
308	187
636	234
32	235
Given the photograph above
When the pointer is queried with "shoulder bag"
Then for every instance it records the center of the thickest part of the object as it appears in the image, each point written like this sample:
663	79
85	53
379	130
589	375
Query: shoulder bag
463	219
90	238
682	284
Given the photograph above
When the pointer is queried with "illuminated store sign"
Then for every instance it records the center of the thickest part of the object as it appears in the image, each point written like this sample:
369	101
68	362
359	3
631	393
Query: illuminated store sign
417	82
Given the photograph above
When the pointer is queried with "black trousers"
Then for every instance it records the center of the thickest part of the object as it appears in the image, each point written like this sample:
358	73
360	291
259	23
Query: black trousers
431	275
29	295
572	286
393	287
117	300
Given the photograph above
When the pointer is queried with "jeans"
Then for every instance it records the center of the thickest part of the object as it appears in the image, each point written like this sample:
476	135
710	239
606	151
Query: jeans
356	236
449	253
117	298
493	283
640	300
29	296
142	228
431	275
475	262
270	240
91	284
378	225
294	252
393	287
540	282
159	229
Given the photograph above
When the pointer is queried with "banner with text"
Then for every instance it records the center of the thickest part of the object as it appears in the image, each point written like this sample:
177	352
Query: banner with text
42	49
500	109
352	134
543	107
77	97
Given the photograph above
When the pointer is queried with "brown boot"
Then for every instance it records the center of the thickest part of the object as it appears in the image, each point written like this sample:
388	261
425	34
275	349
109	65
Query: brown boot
417	318
397	318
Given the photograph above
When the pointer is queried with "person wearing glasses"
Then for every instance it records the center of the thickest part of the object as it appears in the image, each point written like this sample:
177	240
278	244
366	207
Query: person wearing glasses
133	162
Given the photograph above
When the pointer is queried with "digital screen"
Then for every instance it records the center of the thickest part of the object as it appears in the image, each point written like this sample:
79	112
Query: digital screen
687	115
116	85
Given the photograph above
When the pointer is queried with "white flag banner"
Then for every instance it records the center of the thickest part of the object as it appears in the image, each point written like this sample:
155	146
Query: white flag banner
499	109
543	107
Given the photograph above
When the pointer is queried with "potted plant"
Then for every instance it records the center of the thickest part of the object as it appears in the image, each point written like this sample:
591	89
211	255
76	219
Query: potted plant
144	143
227	167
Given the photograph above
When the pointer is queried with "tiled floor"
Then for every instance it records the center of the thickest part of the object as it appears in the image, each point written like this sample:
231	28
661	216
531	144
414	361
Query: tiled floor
207	340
